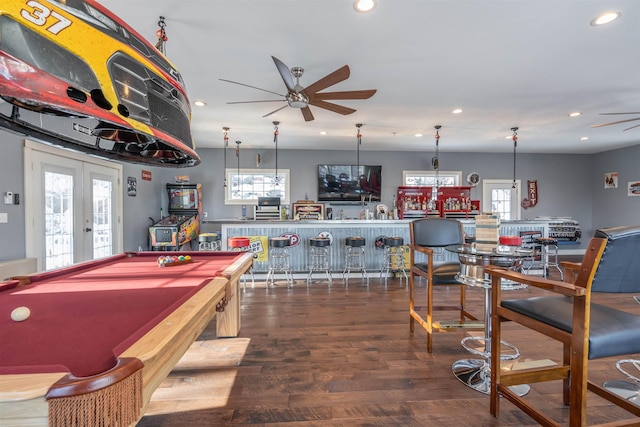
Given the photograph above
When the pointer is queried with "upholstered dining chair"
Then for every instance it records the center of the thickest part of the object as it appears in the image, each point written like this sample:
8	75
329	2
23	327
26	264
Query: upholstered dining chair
566	313
428	238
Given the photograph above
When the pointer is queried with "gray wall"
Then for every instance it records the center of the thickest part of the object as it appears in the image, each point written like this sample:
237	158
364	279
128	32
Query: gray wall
568	185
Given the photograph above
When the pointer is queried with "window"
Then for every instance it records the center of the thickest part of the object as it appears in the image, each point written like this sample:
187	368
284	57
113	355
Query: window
501	196
244	186
432	178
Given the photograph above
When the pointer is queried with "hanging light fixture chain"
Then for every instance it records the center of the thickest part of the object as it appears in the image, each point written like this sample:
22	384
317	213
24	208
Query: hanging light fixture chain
161	34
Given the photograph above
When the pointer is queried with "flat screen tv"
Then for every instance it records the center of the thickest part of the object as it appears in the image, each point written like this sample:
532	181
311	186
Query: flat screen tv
349	183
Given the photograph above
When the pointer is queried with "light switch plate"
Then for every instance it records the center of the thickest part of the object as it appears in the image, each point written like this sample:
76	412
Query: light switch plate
4	217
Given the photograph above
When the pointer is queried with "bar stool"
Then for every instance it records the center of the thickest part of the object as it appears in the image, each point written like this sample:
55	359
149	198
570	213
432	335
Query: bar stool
393	261
209	242
279	259
241	244
319	259
548	256
354	258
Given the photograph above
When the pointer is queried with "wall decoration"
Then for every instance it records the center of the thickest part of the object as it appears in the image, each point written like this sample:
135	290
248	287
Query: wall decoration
532	195
146	175
132	186
611	180
633	188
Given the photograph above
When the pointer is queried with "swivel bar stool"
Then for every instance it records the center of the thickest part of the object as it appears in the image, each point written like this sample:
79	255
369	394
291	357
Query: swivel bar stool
393	261
241	244
354	258
319	258
209	242
548	256
279	259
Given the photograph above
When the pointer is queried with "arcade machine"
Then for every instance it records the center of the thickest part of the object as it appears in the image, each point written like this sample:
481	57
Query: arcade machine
183	223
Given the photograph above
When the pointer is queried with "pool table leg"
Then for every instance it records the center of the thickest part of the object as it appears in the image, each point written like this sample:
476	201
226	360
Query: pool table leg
228	321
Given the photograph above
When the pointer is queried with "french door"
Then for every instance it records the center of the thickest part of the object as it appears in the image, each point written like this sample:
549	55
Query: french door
502	196
73	210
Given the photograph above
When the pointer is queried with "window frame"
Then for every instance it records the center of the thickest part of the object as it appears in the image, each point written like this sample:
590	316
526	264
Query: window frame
231	173
456	175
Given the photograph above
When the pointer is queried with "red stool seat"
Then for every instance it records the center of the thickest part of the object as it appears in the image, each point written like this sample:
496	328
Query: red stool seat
238	242
511	240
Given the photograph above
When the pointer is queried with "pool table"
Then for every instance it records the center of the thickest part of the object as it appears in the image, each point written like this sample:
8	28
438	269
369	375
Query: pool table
104	334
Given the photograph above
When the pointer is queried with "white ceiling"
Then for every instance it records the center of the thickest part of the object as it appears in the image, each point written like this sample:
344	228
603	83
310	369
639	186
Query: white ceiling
506	63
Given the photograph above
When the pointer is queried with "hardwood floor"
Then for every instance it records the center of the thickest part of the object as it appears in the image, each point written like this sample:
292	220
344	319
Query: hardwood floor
331	355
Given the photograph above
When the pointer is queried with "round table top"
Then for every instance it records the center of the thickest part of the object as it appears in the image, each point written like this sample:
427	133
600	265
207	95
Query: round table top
501	251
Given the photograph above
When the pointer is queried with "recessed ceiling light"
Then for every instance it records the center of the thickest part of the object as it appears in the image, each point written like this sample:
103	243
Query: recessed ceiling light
199	103
364	6
457	111
575	114
324	132
418	135
584	138
605	18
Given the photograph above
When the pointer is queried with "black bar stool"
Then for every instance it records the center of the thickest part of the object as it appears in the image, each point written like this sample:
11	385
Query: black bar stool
279	259
354	258
319	258
393	261
548	256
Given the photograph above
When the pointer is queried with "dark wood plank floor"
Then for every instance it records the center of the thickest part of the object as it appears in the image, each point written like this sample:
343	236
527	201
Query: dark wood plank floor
332	355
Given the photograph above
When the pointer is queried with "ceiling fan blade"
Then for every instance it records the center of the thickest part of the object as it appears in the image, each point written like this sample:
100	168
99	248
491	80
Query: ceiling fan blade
251	102
332	107
337	76
615	123
306	113
275	111
285	73
253	87
349	94
615	114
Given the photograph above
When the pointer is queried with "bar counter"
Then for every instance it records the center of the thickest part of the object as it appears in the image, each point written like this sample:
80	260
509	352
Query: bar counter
300	232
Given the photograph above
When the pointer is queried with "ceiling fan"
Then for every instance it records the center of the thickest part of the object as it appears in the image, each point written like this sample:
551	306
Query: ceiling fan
618	121
301	97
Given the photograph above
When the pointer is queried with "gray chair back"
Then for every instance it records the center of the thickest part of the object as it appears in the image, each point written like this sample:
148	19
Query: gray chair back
437	232
619	268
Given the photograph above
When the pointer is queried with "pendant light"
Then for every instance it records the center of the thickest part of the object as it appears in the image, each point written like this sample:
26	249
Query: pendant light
358	143
225	130
515	145
435	161
275	139
238	156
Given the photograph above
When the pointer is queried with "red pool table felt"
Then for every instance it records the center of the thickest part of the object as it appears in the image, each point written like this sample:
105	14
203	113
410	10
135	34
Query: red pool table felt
83	317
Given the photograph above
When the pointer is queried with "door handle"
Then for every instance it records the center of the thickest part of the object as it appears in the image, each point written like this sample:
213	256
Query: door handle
87	229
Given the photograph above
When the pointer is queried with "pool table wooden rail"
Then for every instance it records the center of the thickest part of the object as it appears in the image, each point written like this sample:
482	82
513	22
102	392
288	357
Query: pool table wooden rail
22	397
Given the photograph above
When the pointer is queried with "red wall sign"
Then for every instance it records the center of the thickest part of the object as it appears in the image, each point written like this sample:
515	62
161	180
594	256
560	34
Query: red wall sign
532	193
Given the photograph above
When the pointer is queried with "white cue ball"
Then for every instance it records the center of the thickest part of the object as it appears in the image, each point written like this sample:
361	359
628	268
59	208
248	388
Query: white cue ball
20	313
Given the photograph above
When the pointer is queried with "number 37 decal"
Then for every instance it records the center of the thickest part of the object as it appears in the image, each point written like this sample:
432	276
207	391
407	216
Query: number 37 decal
42	16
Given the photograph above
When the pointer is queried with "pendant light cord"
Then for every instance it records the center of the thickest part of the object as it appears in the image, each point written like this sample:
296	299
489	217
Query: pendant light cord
275	139
226	145
515	145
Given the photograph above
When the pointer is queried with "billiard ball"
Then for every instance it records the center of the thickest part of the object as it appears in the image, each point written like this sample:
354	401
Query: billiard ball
20	313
